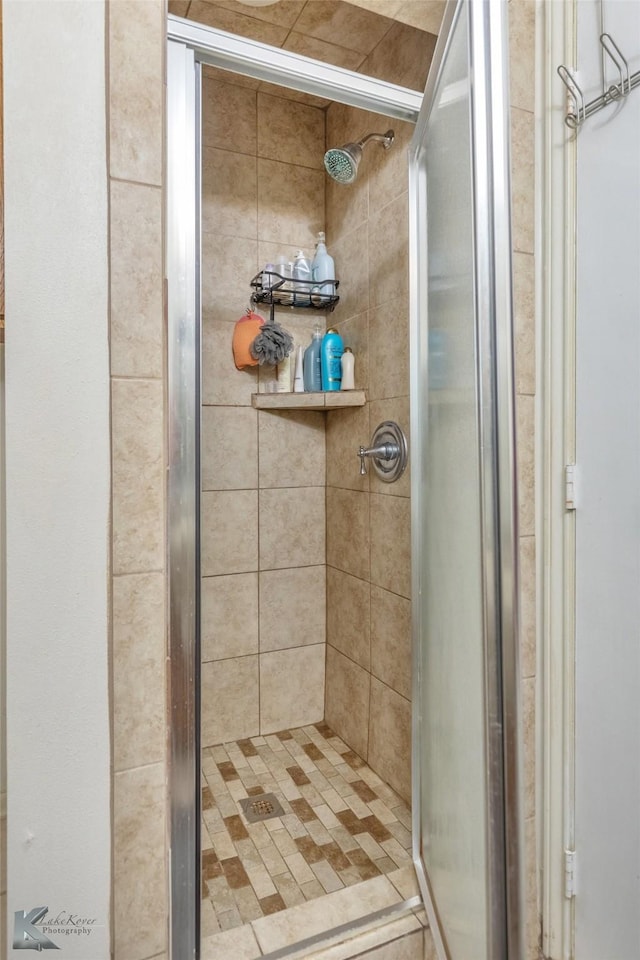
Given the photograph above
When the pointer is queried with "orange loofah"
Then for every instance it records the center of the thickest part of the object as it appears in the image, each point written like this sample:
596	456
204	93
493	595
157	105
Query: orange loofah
246	330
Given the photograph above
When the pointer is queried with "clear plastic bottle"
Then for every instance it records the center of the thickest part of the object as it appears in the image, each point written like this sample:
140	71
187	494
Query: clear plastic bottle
312	363
323	269
301	271
284	268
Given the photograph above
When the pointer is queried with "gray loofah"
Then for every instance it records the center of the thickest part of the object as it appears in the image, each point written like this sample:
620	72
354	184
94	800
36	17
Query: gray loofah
271	345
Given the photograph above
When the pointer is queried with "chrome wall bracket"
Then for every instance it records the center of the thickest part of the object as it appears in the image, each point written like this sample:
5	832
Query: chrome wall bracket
388	452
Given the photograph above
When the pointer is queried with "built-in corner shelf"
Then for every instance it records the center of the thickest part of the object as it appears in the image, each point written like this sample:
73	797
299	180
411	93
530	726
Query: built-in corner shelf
333	400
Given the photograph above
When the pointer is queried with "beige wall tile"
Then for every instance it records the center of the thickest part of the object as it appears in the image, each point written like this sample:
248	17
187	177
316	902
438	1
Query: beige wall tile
390	737
290	131
227	76
397	410
522	180
342	24
285	93
391	640
284	13
229	194
391	543
347	204
138	475
292	449
388	234
424	14
137	319
321	50
139	883
229	616
402	57
139	649
524	314
351	258
230	698
222	382
388	169
292	608
348	531
292	527
527	606
348	616
136	94
229	532
528	699
355	334
230	263
229	438
525	441
522	54
214	15
290	203
389	350
291	688
229	114
347	701
346	430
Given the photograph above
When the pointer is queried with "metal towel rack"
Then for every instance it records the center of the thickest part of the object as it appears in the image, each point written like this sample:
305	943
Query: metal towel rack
612	94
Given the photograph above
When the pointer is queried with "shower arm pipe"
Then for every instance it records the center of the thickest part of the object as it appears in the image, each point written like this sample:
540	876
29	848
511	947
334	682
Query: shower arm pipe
274	65
385	138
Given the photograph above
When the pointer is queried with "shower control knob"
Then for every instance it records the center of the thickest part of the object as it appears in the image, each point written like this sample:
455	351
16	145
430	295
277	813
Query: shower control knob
388	452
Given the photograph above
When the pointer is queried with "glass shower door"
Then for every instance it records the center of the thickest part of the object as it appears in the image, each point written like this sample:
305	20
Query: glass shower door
466	792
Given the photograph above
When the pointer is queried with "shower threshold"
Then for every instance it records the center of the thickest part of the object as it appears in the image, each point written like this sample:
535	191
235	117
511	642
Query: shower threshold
340	826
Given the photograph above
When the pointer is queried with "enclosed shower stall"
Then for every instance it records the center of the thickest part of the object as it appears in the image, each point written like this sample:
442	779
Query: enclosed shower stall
344	745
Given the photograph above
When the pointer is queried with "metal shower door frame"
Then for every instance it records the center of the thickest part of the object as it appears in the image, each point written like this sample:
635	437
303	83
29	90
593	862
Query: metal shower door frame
190	45
488	65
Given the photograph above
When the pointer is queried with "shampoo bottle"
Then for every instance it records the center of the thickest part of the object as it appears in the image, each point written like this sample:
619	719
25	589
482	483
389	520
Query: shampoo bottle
347	362
322	270
312	363
331	354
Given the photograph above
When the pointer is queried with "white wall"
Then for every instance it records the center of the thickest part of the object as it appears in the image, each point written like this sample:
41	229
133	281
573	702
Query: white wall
57	466
607	813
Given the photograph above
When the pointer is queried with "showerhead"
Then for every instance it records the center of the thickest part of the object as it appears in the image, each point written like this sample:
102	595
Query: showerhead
341	163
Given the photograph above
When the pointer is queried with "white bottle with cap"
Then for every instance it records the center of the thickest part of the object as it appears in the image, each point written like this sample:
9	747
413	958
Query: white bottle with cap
347	362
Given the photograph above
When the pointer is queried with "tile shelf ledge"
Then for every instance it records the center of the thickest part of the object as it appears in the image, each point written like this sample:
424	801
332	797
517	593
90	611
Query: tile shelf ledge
333	400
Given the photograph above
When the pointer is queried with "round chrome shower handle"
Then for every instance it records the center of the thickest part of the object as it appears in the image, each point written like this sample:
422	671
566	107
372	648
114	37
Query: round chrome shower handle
388	452
385	451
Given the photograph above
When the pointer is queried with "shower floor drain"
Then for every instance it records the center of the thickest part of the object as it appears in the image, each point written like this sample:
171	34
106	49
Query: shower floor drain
263	807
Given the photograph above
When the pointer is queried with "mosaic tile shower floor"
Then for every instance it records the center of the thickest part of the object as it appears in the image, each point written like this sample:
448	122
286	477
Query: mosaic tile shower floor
342	824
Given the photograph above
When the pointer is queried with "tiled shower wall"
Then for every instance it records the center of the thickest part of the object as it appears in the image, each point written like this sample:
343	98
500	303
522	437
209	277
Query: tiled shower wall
136	104
368	692
263	499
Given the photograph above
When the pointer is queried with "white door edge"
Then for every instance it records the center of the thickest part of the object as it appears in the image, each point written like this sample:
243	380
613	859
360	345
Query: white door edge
555	398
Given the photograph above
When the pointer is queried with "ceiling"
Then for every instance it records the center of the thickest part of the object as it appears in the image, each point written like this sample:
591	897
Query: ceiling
389	39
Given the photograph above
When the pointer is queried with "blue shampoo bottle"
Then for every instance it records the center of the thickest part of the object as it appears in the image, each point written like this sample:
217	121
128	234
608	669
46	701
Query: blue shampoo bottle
331	354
